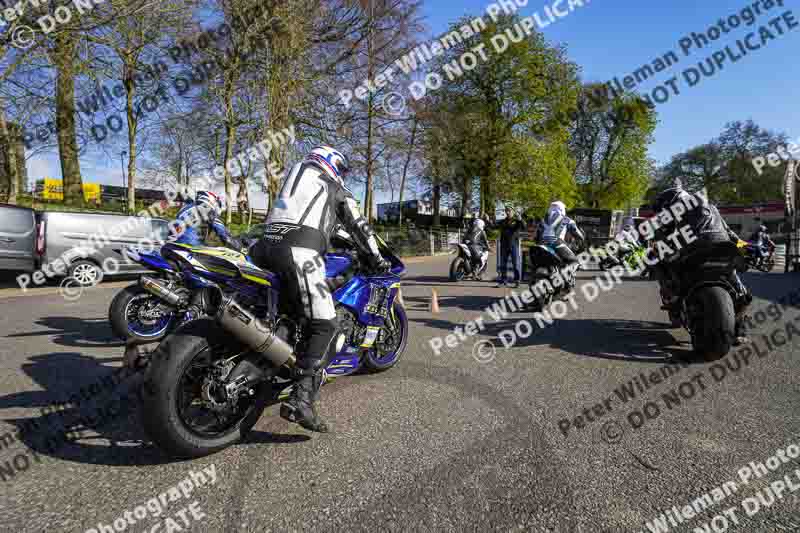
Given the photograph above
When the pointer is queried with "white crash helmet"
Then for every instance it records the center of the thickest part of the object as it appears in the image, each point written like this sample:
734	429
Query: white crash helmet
210	201
557	209
331	160
479	224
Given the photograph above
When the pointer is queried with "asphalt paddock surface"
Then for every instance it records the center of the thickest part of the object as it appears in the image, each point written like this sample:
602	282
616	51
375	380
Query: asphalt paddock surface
599	422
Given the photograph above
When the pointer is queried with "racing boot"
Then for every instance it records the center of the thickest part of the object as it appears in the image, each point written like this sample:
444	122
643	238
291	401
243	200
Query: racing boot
300	407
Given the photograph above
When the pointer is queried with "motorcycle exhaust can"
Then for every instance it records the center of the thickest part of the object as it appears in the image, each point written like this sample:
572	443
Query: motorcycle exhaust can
254	333
157	288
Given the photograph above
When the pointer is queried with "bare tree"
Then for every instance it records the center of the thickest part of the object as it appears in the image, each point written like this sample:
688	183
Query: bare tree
133	39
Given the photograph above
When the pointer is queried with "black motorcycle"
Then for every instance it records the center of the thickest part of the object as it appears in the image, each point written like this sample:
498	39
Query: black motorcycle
550	279
706	298
464	265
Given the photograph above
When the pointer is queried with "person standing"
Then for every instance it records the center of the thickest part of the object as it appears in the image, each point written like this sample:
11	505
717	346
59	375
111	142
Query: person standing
510	228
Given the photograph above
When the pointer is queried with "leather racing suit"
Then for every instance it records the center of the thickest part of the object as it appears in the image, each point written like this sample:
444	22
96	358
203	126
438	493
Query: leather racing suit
298	232
554	229
709	228
184	227
475	239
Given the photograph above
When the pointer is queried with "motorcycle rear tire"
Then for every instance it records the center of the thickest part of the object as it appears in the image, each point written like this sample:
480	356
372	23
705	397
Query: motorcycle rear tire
161	420
718	326
119	322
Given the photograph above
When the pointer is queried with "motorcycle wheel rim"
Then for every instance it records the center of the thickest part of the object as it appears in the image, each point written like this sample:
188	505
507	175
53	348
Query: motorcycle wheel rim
139	327
189	397
396	342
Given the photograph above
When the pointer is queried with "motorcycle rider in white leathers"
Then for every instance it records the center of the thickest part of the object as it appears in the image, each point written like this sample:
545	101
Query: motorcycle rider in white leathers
627	238
478	244
554	229
299	227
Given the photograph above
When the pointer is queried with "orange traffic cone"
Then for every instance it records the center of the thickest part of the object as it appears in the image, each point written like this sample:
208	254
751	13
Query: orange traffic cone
434	301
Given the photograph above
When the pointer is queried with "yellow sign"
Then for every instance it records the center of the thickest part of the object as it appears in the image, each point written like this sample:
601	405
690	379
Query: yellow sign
91	192
54	190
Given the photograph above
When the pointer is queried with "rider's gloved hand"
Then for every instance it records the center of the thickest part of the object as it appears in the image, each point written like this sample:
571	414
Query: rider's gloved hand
379	264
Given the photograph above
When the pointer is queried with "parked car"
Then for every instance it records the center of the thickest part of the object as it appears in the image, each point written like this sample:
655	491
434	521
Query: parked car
85	243
17	238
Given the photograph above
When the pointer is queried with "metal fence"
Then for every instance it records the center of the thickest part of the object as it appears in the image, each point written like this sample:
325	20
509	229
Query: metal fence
421	241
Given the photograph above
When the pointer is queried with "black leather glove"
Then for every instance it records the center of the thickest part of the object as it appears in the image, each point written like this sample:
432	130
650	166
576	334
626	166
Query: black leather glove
379	264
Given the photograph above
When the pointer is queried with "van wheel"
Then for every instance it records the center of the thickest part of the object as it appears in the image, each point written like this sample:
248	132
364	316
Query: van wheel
85	273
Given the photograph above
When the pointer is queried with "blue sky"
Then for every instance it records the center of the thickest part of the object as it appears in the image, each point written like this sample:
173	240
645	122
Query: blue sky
614	38
610	39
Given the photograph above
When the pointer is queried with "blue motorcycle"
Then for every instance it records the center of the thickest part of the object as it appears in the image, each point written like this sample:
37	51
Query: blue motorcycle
147	311
209	381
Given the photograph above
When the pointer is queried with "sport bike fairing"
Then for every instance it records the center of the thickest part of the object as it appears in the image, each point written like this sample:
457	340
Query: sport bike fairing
369	298
153	260
221	264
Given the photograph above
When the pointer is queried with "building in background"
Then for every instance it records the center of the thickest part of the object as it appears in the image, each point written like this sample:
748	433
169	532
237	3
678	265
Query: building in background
120	194
419	211
52	189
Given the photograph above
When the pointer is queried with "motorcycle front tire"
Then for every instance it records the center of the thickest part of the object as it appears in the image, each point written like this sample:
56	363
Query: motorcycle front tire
458	269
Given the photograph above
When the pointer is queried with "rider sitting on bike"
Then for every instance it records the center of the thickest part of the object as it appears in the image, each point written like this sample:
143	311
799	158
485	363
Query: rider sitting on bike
475	239
709	229
761	244
298	232
554	229
206	206
627	238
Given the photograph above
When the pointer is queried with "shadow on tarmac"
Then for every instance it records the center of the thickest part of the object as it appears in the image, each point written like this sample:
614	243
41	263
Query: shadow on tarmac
75	332
89	413
623	340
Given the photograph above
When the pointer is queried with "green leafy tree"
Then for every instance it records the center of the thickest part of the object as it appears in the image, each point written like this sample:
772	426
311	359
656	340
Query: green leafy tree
724	166
609	140
496	112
